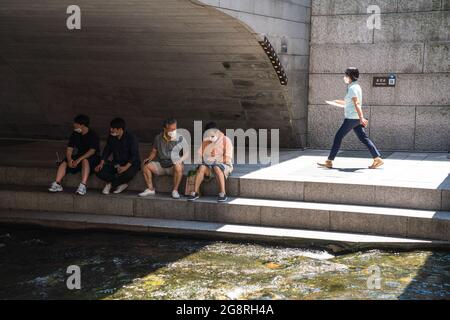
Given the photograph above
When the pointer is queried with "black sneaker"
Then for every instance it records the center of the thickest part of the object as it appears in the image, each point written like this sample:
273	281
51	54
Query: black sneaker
222	198
193	196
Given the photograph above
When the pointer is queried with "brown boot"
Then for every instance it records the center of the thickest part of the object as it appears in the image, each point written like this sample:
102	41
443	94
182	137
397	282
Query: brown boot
328	164
377	162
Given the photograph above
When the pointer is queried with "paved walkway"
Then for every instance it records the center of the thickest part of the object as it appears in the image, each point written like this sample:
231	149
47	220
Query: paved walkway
402	169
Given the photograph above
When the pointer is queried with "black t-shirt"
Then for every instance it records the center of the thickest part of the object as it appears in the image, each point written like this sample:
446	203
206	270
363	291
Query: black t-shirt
81	143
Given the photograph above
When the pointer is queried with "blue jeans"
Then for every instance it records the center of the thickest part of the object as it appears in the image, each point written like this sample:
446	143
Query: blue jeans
345	128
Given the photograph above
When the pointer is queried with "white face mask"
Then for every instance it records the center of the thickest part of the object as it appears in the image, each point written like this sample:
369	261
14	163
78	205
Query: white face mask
213	138
347	80
114	134
77	130
172	135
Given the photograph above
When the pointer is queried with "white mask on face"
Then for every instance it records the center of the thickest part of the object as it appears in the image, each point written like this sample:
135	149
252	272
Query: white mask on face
77	130
213	138
114	134
172	135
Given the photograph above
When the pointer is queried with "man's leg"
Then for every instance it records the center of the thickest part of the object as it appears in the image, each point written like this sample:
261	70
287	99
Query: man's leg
108	173
201	172
125	177
362	136
85	171
177	175
345	128
61	173
220	178
147	171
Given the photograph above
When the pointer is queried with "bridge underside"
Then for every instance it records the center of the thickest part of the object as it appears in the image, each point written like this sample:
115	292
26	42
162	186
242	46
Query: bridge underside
142	60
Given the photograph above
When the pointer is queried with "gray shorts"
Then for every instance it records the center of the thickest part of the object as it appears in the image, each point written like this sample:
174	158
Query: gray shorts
159	170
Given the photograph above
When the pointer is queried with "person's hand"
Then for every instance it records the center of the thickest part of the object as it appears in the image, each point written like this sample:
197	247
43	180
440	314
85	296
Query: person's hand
364	122
75	163
70	163
99	167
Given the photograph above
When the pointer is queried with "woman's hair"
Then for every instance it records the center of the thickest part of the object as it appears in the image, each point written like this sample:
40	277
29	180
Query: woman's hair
353	73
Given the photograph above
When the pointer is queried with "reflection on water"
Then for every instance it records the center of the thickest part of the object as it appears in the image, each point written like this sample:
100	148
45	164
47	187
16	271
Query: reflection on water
33	265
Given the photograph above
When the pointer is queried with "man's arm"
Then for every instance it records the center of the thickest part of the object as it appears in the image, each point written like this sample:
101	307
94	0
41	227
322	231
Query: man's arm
134	150
152	155
88	154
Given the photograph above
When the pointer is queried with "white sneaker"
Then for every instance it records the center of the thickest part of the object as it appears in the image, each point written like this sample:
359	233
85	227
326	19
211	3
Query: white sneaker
175	194
55	187
120	188
147	192
81	189
107	188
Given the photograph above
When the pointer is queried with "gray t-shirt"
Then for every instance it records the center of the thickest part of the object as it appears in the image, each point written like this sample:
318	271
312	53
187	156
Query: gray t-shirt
165	147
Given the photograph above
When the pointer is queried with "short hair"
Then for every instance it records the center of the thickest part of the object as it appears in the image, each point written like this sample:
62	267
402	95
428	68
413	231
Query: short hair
82	119
118	123
210	125
168	122
353	73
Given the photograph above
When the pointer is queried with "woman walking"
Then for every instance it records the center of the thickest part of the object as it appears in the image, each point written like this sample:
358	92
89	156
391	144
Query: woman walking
354	119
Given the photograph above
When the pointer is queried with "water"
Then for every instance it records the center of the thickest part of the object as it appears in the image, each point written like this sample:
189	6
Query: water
33	264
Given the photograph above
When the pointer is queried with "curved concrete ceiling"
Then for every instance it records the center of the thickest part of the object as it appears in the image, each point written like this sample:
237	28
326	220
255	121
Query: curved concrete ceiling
143	60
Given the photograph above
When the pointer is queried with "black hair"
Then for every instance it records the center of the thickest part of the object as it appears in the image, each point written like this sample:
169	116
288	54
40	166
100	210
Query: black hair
118	123
168	122
210	125
353	73
82	119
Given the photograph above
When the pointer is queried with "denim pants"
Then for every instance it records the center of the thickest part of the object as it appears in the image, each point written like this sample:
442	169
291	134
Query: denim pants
345	128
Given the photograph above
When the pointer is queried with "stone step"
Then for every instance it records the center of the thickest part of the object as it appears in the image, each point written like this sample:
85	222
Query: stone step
382	221
241	184
336	242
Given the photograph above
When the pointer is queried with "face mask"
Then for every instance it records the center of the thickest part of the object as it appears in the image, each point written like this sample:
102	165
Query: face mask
114	134
347	80
77	130
172	134
213	138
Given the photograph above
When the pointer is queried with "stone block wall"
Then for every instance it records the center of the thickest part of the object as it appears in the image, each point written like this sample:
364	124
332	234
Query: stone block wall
413	43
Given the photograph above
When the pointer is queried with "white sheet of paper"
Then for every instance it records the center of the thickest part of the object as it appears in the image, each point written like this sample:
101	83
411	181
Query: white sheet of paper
332	103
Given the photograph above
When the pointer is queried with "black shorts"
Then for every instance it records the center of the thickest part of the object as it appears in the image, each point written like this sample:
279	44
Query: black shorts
93	162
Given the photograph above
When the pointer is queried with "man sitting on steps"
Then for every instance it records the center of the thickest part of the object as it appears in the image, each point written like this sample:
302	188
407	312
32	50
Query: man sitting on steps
161	162
82	154
124	148
216	152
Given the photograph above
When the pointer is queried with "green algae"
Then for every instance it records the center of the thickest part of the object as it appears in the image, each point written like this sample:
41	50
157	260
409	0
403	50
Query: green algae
136	266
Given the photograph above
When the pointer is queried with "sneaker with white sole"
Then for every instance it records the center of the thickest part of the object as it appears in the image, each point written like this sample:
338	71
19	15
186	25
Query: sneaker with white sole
193	196
81	189
222	197
175	194
107	188
55	187
147	192
120	188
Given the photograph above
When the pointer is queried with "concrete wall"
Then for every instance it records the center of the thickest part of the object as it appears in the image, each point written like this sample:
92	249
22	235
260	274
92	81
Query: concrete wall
413	43
287	22
143	60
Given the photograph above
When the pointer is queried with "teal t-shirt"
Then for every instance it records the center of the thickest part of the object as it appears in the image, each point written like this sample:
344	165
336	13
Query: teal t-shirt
353	90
